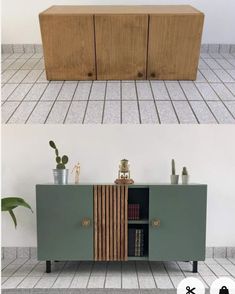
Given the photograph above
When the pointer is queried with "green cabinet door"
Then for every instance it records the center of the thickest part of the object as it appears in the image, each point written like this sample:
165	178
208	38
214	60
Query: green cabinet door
60	211
180	234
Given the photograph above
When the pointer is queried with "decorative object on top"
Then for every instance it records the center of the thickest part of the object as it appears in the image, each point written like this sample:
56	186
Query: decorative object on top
10	203
185	176
60	173
174	177
77	169
124	173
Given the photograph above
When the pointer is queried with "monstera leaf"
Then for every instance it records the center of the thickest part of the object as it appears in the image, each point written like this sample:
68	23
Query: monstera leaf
10	203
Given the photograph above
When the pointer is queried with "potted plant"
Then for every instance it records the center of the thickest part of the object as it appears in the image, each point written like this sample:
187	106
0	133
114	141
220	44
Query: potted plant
60	172
185	176
10	203
174	177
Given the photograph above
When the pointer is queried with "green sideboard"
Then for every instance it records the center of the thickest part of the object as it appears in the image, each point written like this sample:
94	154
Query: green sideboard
172	218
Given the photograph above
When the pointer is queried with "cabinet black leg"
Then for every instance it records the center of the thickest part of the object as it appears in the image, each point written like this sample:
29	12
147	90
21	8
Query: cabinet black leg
48	266
195	266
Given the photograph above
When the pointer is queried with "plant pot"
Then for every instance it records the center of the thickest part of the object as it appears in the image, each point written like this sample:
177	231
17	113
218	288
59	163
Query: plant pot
185	179
174	179
60	176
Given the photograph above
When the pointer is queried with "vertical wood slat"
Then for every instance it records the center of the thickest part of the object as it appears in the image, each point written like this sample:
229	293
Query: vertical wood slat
95	224
115	223
107	221
99	223
111	222
118	223
126	224
103	224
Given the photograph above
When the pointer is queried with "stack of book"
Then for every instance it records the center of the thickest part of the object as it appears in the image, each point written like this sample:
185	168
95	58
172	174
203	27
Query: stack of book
135	242
133	211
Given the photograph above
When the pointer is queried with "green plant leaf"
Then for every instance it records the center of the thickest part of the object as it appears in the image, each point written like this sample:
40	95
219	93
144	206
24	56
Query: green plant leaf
58	159
13	217
52	144
10	203
65	159
60	166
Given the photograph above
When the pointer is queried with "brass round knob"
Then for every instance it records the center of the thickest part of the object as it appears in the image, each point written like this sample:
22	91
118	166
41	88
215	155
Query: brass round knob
156	223
89	74
140	75
153	75
86	222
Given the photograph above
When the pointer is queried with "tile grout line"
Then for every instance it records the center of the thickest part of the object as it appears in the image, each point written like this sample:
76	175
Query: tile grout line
77	267
93	264
71	101
28	273
137	275
20	103
138	104
150	266
171	102
221	100
206	102
154	101
189	103
37	102
88	99
54	102
104	104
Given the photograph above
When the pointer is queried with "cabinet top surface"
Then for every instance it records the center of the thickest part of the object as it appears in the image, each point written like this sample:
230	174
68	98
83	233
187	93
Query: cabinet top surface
130	186
110	9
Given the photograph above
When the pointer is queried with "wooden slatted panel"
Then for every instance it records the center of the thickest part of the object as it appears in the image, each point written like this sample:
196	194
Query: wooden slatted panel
111	221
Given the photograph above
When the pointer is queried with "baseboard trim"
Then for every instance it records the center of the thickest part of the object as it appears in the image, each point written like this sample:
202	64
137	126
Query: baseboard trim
31	252
37	48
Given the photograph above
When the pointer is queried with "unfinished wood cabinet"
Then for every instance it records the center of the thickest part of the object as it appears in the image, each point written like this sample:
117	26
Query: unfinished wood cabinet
68	44
121	42
121	46
174	46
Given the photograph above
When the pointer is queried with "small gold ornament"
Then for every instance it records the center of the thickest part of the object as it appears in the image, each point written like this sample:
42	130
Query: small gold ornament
77	169
124	173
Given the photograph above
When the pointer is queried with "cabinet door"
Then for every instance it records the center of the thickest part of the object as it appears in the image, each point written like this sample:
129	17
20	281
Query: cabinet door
68	45
121	46
60	211
180	234
174	46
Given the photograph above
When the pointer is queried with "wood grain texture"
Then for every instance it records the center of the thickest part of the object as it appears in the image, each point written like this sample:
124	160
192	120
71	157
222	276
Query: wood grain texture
121	46
174	46
119	9
69	46
99	223
112	222
95	212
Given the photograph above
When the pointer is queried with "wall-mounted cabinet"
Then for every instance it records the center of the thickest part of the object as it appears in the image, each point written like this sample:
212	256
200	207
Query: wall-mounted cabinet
121	42
85	222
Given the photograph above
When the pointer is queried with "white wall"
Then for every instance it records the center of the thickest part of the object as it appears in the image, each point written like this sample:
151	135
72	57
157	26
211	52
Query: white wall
207	151
20	18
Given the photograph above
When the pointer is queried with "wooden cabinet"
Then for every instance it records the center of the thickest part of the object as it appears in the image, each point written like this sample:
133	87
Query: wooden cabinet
171	218
121	46
69	48
181	211
65	222
121	42
174	46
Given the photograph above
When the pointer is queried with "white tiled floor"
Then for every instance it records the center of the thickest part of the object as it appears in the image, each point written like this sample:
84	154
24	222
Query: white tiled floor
29	273
27	97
